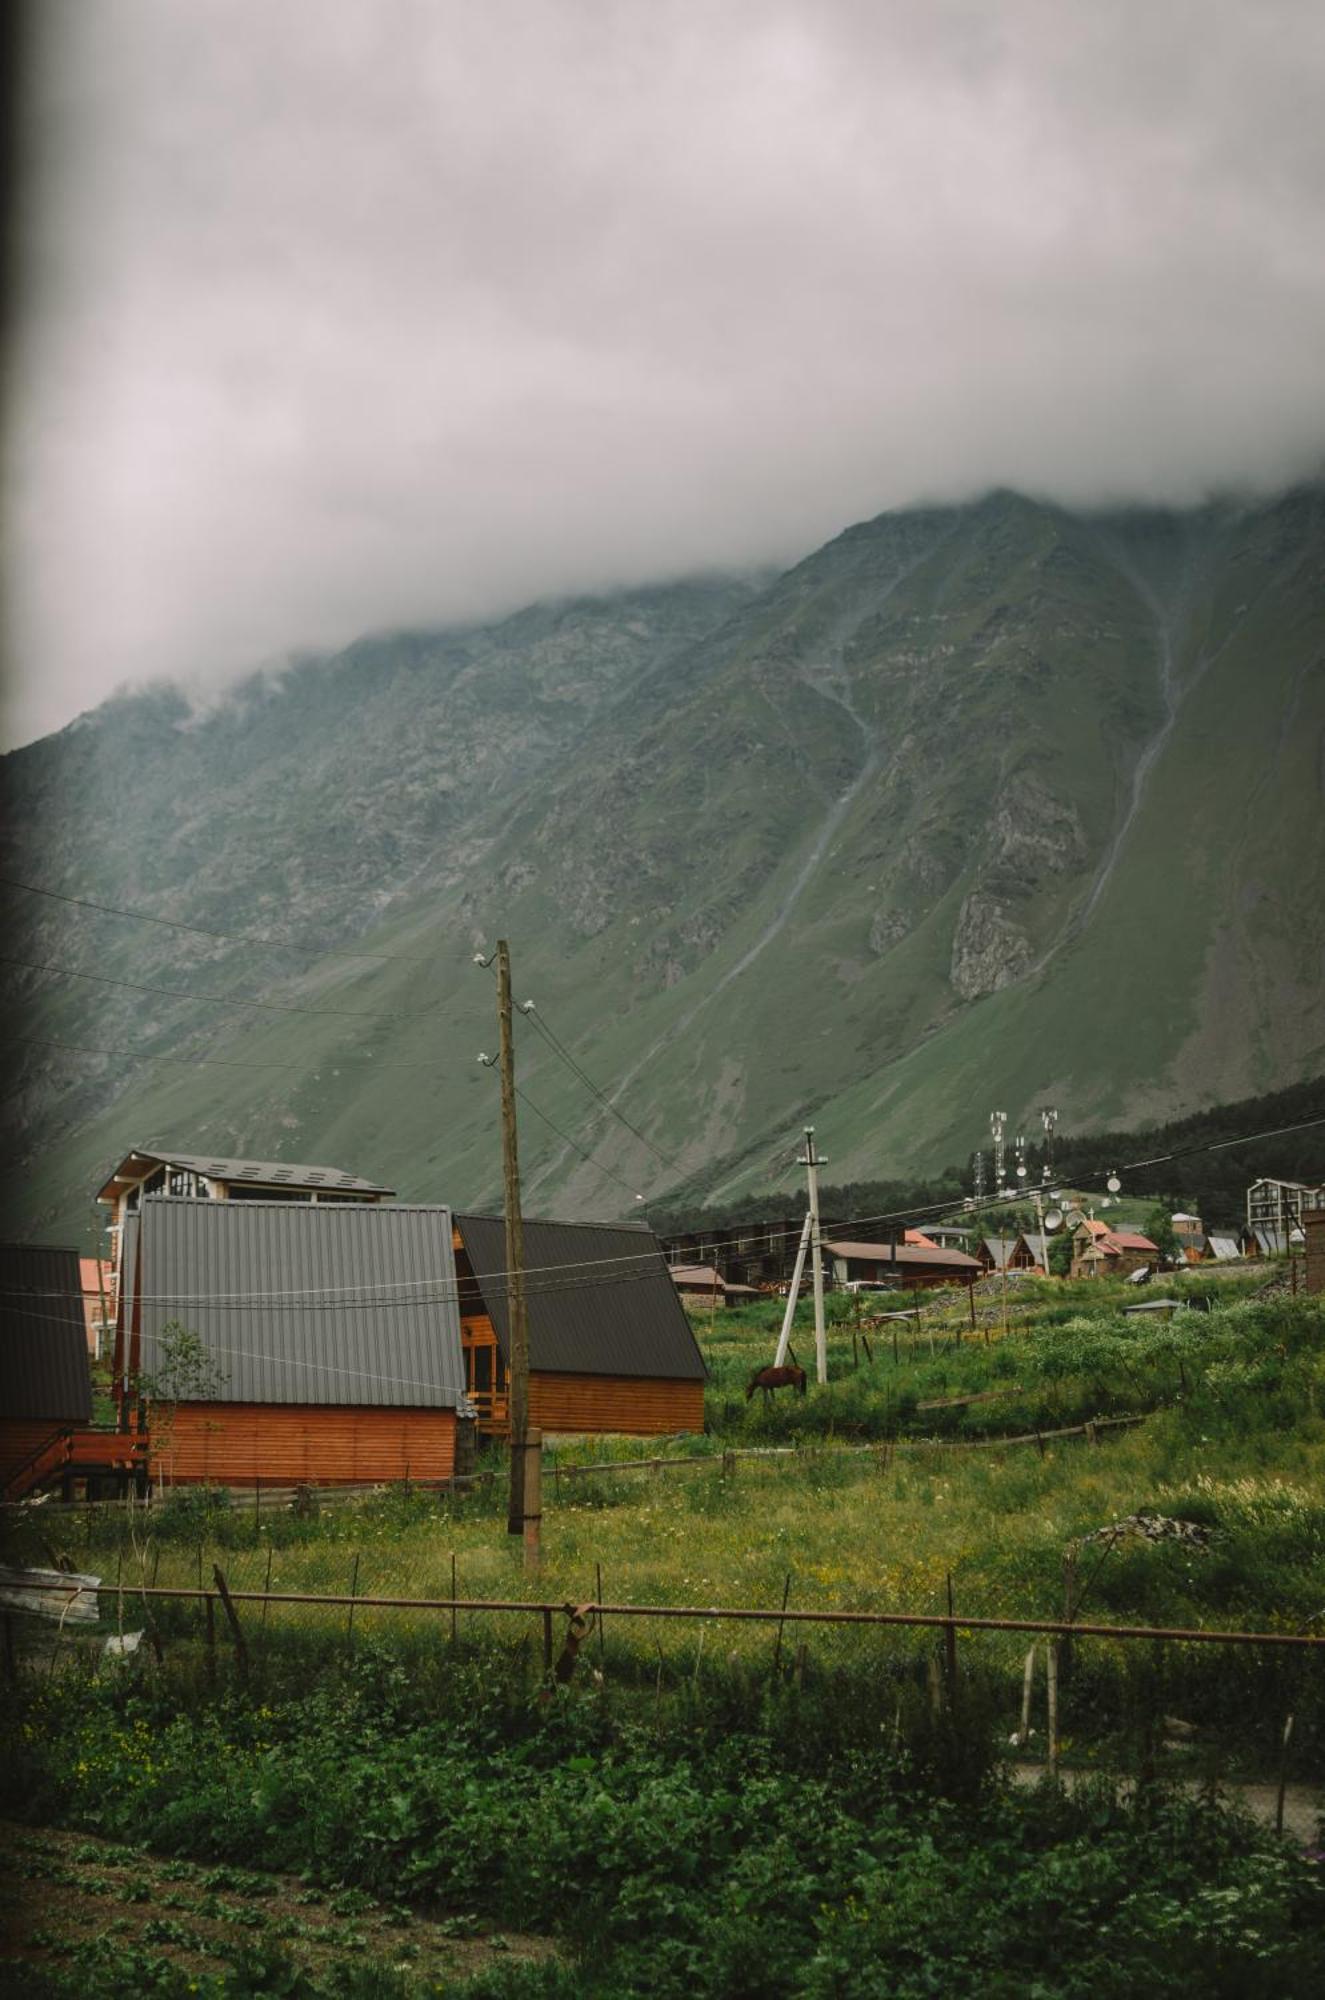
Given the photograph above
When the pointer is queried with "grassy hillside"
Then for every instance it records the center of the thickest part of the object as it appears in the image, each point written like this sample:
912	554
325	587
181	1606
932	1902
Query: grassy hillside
976	806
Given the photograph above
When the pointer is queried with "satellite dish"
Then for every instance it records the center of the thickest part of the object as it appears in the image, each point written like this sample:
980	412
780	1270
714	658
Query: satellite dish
1052	1219
1021	1173
1113	1184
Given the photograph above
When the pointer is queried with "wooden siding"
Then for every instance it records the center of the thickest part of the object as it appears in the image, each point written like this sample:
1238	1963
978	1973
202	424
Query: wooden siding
485	1371
20	1439
646	1407
331	1445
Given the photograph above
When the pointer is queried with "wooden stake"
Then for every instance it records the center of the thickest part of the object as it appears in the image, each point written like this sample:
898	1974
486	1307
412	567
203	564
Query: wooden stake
1027	1681
950	1640
454	1594
598	1577
354	1591
547	1640
241	1649
1051	1675
211	1637
533	1499
1283	1774
777	1650
266	1589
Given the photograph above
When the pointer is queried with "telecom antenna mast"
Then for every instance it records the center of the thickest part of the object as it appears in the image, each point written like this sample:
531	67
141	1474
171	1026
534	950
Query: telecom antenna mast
978	1176
998	1125
1048	1119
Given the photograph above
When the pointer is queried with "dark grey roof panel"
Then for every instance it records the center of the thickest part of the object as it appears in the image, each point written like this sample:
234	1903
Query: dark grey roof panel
297	1303
282	1173
43	1335
601	1298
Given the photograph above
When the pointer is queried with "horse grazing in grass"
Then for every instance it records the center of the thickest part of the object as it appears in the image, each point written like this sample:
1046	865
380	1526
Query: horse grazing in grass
769	1379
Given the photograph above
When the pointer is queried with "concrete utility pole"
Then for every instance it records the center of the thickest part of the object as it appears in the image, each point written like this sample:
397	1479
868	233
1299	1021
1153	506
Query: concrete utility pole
812	1163
811	1241
516	1316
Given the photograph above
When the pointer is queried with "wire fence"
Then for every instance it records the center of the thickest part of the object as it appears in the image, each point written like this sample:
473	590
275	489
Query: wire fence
1182	1701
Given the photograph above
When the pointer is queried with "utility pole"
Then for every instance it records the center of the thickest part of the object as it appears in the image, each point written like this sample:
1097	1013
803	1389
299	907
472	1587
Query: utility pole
811	1241
812	1163
516	1316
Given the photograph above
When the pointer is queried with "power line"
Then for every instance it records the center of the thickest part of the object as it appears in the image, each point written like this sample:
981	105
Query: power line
175	993
559	1049
217	1062
201	930
575	1146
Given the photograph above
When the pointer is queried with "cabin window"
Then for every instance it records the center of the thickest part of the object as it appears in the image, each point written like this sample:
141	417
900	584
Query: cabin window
480	1361
179	1181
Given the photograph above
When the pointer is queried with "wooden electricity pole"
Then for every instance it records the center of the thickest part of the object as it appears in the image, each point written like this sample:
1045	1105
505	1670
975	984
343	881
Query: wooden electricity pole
516	1317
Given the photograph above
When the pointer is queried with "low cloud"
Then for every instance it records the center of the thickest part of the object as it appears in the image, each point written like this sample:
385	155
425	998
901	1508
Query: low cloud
404	311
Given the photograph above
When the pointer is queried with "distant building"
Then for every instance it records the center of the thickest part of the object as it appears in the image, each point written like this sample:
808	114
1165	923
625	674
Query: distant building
1098	1251
97	1278
899	1267
205	1176
1274	1204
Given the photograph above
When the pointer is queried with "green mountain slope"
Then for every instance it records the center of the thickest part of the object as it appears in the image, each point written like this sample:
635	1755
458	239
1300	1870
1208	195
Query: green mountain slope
984	805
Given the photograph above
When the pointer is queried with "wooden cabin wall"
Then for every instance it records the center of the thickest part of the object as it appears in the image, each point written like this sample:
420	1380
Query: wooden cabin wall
19	1439
644	1407
224	1444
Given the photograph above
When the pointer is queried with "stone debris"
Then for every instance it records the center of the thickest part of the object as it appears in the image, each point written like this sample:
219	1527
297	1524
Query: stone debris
1154	1528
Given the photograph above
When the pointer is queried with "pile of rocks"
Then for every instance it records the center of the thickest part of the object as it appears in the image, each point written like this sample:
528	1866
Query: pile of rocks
1154	1528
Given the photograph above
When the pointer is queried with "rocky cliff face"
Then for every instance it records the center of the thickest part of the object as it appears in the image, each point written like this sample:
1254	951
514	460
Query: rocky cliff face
973	804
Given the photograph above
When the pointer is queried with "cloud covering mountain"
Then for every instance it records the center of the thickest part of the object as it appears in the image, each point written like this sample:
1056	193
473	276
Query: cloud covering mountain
374	315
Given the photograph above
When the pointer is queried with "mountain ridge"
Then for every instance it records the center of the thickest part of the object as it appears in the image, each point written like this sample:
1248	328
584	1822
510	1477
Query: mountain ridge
973	804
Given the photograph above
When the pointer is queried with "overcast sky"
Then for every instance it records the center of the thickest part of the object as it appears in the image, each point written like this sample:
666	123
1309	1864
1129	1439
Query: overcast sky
343	314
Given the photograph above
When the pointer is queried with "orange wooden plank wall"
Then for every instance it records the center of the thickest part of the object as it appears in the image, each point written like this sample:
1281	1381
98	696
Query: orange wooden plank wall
646	1407
18	1441
315	1445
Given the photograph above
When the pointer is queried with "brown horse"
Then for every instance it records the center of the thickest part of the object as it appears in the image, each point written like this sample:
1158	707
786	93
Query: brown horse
769	1379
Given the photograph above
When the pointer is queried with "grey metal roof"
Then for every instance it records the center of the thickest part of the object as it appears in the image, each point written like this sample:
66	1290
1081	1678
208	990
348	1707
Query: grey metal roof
904	1253
296	1303
43	1335
1224	1249
601	1298
277	1173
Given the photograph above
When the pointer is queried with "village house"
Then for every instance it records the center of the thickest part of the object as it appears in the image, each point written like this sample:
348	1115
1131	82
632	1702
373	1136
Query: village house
150	1171
610	1347
901	1266
704	1285
327	1336
1098	1251
97	1283
1276	1207
46	1431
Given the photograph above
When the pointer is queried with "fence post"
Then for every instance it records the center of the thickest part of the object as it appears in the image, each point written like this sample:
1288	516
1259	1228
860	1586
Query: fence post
777	1650
211	1636
454	1594
1051	1675
547	1640
598	1574
354	1591
950	1641
241	1650
533	1500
